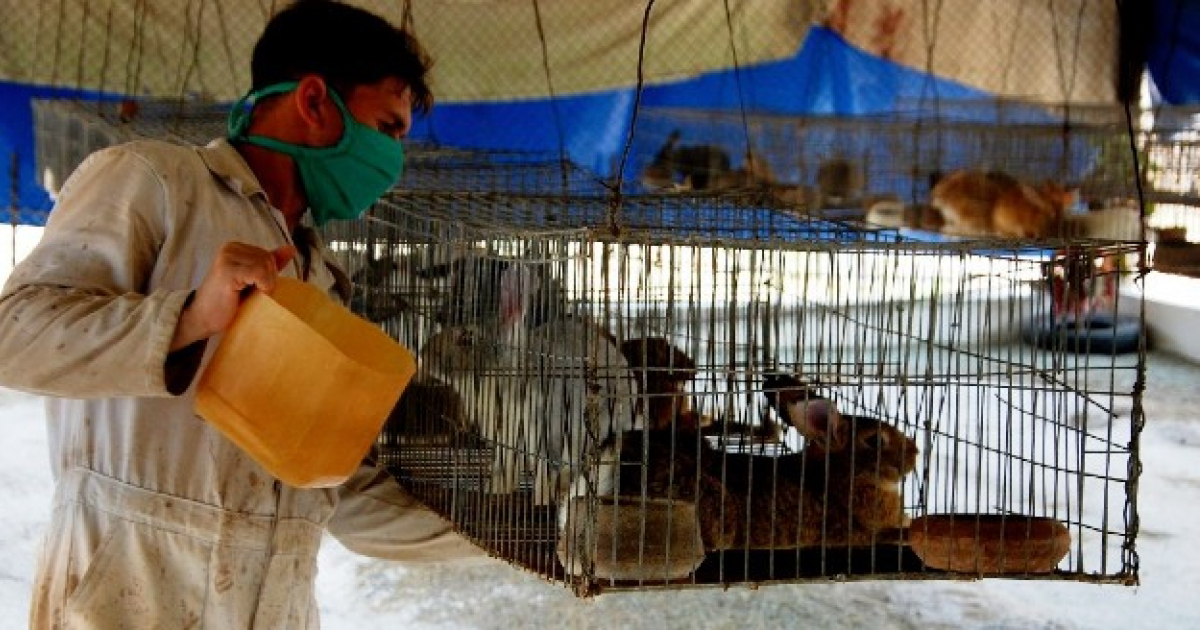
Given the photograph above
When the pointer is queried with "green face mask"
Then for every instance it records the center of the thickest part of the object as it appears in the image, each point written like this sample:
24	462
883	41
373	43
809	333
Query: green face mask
340	181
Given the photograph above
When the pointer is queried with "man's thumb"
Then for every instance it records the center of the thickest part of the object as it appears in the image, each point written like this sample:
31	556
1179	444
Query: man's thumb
284	255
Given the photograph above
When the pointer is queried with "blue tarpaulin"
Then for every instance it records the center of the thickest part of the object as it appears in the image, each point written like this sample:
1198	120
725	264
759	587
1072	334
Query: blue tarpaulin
27	199
1173	55
826	76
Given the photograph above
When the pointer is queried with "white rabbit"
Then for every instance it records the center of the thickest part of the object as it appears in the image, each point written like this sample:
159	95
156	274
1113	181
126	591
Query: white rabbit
473	291
543	397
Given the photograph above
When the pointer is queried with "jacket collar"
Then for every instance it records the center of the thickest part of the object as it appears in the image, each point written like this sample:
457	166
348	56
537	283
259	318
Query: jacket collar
224	161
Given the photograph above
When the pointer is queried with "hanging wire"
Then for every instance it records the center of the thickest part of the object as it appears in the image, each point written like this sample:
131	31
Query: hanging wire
1066	79
225	42
189	63
1066	75
409	25
930	25
59	38
133	61
1012	47
929	28
406	16
38	40
737	77
102	82
83	33
614	206
1131	559
554	109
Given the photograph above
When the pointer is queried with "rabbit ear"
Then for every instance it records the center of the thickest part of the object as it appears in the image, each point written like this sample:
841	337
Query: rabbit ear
819	421
518	284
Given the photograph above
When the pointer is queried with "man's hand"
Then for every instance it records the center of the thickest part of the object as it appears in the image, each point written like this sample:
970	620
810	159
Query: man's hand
237	267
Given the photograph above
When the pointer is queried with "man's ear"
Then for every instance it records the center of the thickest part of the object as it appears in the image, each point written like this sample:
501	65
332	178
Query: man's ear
313	104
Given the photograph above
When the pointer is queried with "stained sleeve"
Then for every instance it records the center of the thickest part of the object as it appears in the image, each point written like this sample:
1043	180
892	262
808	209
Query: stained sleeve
376	517
75	316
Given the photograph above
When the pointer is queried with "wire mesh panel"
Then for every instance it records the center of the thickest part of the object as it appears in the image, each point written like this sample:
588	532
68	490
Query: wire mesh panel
1114	163
650	387
67	131
824	161
684	388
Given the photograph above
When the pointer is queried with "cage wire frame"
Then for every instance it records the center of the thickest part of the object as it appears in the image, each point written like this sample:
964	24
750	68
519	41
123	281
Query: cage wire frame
964	350
576	560
879	311
901	153
507	204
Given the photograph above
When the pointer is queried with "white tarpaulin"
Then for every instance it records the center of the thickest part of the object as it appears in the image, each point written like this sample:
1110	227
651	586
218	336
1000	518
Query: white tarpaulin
1056	51
483	49
1049	50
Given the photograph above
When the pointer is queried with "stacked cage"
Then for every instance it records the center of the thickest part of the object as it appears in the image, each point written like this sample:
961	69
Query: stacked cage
657	383
67	131
663	384
1172	156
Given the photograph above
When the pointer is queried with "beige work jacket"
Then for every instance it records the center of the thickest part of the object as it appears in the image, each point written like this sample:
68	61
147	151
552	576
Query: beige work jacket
86	320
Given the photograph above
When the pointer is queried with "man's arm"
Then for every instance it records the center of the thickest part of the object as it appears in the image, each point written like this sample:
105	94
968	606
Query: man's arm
74	319
378	518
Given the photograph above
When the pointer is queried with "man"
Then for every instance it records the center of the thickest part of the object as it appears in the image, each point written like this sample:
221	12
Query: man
158	520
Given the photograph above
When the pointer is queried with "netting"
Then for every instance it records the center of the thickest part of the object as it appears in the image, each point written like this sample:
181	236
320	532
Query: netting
952	344
1059	51
748	349
489	50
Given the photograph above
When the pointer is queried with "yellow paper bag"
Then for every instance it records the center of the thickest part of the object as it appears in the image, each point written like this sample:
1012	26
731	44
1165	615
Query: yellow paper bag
302	384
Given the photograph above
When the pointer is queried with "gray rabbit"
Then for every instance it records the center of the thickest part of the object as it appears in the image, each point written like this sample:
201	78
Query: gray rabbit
542	394
473	291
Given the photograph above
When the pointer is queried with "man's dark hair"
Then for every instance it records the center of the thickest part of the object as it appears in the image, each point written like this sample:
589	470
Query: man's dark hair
345	45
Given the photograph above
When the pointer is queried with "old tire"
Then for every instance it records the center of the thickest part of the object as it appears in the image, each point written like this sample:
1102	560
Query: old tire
1098	333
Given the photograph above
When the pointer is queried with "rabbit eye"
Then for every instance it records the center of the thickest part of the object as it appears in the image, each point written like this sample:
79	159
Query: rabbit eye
874	440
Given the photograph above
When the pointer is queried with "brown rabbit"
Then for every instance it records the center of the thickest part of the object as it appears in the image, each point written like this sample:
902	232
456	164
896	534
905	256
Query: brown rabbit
755	173
840	182
992	203
660	173
841	489
662	372
686	167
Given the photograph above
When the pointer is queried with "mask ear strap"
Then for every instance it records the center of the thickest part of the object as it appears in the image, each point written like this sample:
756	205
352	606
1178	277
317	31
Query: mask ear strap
239	115
239	122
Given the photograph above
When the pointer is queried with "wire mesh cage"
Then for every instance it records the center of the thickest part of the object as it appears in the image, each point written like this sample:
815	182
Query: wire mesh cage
894	161
68	130
662	389
632	387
